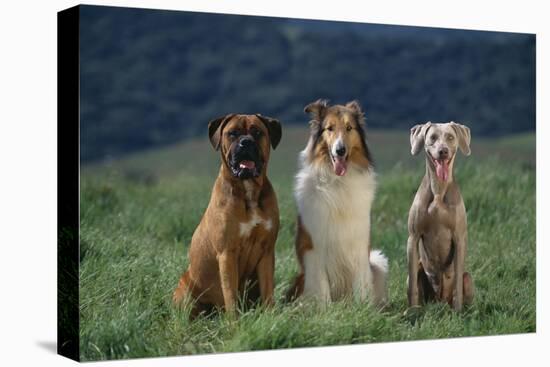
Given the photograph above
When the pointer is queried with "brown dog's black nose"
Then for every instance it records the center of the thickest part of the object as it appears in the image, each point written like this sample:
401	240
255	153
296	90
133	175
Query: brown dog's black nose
246	143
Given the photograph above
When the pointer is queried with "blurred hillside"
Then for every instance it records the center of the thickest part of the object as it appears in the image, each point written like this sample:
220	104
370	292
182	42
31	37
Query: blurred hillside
151	77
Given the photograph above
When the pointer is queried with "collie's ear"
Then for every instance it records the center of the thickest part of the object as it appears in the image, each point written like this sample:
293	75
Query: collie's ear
317	109
215	128
418	133
463	136
357	111
274	129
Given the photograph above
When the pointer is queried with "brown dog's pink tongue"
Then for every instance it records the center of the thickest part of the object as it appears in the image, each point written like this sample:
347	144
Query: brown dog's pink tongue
340	166
247	164
442	169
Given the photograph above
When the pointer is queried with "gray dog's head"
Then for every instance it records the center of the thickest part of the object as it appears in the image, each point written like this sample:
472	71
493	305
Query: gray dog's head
440	143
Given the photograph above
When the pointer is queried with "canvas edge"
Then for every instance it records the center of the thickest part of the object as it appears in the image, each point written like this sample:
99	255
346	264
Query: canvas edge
68	157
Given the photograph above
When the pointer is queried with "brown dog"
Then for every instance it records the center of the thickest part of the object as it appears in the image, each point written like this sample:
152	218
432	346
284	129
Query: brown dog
232	250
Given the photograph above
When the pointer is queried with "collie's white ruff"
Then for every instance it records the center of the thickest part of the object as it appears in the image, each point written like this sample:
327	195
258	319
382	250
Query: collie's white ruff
335	211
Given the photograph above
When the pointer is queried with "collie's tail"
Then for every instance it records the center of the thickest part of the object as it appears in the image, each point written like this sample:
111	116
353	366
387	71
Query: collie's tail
378	284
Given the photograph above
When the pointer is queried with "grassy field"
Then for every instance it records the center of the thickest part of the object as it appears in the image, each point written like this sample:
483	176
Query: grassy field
138	214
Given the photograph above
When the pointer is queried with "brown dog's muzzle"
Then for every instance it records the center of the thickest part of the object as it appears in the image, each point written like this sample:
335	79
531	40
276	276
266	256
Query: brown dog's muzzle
245	160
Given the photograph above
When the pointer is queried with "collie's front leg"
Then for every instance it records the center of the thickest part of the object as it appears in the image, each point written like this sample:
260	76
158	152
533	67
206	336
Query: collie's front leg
316	284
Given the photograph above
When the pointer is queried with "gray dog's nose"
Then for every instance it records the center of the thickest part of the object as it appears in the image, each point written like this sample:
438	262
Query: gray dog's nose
443	152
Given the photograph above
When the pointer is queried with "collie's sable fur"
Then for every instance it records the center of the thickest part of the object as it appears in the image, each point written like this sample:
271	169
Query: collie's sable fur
334	190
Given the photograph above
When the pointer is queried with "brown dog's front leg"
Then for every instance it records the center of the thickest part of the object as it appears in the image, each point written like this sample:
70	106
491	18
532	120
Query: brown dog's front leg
229	279
458	294
412	257
265	270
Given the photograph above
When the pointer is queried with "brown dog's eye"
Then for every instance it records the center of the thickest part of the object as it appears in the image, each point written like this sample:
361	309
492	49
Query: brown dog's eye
255	133
348	128
233	133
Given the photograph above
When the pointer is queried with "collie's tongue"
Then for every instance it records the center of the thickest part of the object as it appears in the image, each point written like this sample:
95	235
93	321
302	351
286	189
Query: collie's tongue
340	166
442	169
247	165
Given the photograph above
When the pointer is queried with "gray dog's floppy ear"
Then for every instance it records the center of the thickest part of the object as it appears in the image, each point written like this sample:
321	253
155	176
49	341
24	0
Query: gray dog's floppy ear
418	133
215	128
464	137
274	128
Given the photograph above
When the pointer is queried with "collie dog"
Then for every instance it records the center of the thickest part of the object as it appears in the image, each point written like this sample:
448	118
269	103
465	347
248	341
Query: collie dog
334	190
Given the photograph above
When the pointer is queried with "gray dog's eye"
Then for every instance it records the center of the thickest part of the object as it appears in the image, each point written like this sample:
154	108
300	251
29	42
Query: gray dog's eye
433	137
450	137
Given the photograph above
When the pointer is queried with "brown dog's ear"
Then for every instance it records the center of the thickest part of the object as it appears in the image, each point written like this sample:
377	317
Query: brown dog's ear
317	109
464	137
418	133
356	108
274	129
215	128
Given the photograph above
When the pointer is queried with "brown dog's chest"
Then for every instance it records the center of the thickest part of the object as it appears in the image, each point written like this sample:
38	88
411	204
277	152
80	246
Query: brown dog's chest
254	229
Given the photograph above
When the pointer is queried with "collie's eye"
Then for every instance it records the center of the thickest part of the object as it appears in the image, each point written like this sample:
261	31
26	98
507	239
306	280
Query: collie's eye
330	128
348	128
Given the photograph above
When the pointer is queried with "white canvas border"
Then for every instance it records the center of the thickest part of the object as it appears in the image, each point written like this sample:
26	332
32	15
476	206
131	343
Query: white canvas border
28	181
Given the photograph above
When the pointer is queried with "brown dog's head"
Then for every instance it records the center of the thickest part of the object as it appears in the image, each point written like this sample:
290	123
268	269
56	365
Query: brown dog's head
244	141
440	142
337	136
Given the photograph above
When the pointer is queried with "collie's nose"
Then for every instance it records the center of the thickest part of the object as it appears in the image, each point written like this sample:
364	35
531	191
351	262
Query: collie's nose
341	151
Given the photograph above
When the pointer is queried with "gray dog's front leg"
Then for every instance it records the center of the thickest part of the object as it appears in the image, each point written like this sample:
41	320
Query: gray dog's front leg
412	257
458	294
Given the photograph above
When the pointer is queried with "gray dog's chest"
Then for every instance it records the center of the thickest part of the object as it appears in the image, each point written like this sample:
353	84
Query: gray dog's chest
436	250
436	247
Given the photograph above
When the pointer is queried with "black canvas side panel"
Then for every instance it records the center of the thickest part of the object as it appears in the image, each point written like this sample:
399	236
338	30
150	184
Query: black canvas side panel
68	182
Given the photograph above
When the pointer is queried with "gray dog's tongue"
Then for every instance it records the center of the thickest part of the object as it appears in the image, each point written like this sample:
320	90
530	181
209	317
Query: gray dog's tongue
442	169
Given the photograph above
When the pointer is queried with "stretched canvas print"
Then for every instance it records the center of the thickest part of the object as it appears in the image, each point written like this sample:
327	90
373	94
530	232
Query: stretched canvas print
238	183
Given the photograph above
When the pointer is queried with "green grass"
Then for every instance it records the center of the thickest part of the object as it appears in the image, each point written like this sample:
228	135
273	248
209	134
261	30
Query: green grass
138	215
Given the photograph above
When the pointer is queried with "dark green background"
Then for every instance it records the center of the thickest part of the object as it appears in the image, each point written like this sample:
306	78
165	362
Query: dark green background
154	77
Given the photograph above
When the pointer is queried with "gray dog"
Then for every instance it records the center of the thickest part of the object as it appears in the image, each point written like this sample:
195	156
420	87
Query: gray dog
436	247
